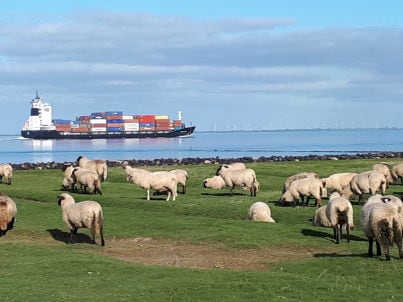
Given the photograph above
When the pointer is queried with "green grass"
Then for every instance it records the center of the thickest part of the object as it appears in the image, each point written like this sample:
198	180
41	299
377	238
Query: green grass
36	267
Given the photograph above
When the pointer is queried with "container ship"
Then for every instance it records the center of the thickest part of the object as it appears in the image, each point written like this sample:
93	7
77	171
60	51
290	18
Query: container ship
109	124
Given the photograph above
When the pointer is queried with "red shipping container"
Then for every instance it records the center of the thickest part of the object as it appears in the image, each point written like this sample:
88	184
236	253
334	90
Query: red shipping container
146	119
114	117
113	125
79	130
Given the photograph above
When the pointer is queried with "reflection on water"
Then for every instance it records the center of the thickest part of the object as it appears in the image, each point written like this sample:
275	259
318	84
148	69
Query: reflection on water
41	145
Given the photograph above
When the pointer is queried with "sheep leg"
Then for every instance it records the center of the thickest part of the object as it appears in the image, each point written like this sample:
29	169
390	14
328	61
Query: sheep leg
148	194
72	232
169	195
378	248
348	232
370	247
183	189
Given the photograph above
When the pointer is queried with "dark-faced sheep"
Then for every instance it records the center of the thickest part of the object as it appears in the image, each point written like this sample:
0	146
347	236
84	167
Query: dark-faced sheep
85	214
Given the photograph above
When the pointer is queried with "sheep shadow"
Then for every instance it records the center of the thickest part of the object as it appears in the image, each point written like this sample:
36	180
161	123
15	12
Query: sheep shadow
65	236
334	255
329	236
223	194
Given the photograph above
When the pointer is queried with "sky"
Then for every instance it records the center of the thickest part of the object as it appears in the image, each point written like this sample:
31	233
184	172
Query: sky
227	65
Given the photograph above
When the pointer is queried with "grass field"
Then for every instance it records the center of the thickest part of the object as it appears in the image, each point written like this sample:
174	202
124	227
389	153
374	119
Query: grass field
199	248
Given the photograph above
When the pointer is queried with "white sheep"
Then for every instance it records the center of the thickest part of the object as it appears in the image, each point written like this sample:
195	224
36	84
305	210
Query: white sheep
159	181
233	166
8	210
297	176
305	187
260	211
6	170
381	221
384	168
97	165
366	182
244	178
68	181
215	182
85	214
320	219
398	171
339	212
88	179
337	181
182	177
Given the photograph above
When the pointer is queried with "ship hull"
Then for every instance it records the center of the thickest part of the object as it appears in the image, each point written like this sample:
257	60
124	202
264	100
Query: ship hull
53	134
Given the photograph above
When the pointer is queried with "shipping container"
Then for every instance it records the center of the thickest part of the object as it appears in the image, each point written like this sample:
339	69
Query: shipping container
84	118
146	118
115	121
131	127
79	130
98	129
98	125
114	129
113	113
98	121
127	117
61	122
98	115
162	117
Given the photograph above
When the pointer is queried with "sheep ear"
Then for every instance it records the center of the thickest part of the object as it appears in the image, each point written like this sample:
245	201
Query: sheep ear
385	199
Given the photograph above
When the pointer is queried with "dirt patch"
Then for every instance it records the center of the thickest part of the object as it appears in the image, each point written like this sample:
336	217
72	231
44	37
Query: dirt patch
153	251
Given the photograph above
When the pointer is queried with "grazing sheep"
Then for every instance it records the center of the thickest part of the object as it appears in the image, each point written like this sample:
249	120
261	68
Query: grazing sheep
182	177
68	181
260	211
398	171
87	179
85	214
8	210
66	185
159	181
320	218
337	181
309	187
244	178
381	221
215	182
97	165
6	170
233	166
366	182
384	168
296	177
339	212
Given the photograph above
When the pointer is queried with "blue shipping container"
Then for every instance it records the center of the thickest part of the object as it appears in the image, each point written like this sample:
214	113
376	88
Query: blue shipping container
114	129
115	121
114	113
147	125
61	122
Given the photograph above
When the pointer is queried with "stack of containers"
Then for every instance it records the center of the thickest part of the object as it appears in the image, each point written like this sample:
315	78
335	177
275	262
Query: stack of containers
83	124
147	122
114	121
98	122
177	124
62	125
130	123
162	123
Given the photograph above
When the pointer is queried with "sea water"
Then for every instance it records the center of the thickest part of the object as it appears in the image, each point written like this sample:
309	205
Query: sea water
15	149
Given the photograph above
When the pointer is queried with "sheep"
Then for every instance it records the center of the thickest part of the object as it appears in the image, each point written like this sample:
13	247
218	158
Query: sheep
97	165
337	181
233	166
159	181
384	168
244	178
66	185
339	212
87	179
215	182
68	181
260	211
182	177
320	218
398	171
8	210
381	221
366	182
85	214
309	187
6	170
297	176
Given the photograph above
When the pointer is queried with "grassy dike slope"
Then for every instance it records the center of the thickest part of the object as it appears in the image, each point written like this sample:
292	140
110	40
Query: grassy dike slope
199	248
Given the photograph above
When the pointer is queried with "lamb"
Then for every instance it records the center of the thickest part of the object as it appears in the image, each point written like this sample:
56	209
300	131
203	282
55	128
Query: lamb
215	182
398	171
87	179
8	210
309	187
85	214
182	177
260	211
6	170
384	168
297	176
365	182
337	181
244	178
381	221
159	181
320	218
97	165
339	212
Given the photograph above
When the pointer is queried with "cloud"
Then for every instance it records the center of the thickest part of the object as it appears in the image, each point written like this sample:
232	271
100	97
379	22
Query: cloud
200	65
